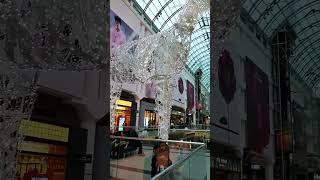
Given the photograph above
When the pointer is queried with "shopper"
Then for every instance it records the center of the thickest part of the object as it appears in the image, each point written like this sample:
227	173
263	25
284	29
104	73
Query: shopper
154	160
161	158
133	144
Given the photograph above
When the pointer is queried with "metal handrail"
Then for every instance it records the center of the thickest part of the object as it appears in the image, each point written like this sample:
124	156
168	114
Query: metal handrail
191	130
156	140
179	162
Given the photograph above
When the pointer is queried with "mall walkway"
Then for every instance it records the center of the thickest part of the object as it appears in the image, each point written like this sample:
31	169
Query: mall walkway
138	167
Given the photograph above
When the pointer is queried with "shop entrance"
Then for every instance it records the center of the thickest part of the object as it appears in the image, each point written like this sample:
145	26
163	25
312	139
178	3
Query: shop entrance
178	117
123	114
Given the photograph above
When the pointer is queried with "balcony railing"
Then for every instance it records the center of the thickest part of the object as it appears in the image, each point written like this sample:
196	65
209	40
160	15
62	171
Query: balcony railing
189	160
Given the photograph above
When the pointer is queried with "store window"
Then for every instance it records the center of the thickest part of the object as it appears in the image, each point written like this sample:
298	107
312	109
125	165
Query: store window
123	114
177	117
44	155
150	119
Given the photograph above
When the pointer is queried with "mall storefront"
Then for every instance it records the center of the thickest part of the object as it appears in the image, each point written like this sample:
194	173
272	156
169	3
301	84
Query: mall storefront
44	151
225	164
53	141
178	116
126	109
148	117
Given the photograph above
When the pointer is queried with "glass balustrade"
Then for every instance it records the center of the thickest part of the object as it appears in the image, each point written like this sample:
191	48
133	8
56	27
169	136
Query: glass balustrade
144	158
194	166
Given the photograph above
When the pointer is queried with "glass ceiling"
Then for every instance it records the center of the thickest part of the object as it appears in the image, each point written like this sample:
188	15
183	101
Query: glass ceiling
163	14
304	18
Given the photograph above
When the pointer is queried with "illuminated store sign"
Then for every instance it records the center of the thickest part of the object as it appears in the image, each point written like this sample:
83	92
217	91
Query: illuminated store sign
36	147
124	103
35	166
44	131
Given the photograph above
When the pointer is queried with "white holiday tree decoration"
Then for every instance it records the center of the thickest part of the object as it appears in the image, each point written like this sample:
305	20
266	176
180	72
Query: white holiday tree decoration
158	57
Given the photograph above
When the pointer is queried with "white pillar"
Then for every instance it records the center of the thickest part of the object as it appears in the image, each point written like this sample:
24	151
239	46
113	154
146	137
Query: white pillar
194	120
138	114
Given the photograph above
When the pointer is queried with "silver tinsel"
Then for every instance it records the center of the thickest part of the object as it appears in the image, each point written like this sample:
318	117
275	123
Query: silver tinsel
157	57
45	35
164	89
17	96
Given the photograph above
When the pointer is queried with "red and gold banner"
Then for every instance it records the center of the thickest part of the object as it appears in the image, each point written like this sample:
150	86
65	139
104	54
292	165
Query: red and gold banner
190	97
36	147
257	95
35	166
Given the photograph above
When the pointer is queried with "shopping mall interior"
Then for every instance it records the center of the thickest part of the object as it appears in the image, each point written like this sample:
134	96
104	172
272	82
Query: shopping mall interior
195	89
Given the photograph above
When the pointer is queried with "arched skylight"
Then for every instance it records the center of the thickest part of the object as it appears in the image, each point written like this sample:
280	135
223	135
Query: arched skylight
303	16
163	14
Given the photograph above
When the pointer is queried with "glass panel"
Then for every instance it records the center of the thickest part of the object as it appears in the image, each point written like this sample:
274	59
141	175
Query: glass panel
141	158
195	167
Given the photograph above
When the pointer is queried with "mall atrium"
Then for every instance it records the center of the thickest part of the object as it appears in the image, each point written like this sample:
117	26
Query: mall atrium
160	89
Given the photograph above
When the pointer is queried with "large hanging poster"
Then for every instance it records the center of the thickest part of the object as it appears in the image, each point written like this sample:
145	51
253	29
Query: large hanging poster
190	97
257	96
227	79
120	32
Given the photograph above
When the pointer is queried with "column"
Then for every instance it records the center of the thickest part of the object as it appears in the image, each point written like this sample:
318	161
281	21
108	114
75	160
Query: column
101	159
138	114
194	119
89	124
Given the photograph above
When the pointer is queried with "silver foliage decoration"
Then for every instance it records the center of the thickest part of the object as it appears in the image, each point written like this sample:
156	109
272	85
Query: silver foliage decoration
164	89
157	57
17	96
45	35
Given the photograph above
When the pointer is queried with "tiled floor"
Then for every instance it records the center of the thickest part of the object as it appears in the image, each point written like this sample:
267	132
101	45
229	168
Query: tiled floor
133	167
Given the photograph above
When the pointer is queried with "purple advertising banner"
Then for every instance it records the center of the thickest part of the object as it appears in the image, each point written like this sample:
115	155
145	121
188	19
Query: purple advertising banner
190	96
257	96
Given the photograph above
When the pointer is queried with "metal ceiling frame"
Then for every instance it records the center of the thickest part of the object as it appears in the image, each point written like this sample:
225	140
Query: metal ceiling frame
277	15
160	11
200	47
169	18
200	54
195	62
303	19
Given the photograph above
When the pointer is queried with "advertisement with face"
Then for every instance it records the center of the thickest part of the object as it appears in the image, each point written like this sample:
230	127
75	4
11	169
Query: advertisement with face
120	32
